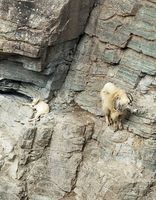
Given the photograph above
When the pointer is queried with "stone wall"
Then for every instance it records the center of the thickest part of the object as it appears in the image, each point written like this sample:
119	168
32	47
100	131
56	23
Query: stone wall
71	154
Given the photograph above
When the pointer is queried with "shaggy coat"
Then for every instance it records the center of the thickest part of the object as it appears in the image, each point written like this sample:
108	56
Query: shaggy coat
115	102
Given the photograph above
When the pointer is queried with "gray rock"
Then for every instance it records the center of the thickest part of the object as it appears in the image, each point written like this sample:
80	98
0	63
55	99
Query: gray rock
57	170
132	59
70	153
112	31
146	83
33	37
112	56
143	46
104	178
144	25
38	23
125	8
28	138
130	76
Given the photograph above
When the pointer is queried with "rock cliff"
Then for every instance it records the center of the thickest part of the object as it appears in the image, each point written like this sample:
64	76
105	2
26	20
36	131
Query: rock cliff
37	42
65	51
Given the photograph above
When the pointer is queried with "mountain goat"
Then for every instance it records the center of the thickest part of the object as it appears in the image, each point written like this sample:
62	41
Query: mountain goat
40	106
115	103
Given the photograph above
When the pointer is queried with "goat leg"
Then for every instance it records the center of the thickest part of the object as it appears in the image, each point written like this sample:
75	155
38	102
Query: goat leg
121	127
108	120
116	126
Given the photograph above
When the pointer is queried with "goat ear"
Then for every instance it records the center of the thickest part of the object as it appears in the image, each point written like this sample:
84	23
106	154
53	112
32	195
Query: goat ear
130	97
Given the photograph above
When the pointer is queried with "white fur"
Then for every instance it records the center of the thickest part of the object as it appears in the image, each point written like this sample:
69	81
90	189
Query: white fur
111	96
40	106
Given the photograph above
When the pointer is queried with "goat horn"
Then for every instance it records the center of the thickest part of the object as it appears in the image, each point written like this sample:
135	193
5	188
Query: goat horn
129	96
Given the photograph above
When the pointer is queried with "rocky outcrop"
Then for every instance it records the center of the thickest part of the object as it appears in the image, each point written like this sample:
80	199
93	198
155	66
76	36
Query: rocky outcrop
40	161
71	154
37	36
118	46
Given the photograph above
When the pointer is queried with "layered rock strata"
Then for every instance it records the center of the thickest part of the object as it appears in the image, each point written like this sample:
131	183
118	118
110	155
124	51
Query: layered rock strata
71	154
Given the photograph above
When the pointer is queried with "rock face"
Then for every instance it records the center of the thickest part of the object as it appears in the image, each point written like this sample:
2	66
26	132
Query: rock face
37	36
71	154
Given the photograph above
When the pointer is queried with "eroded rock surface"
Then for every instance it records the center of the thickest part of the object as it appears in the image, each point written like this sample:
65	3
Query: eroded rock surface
71	154
41	37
